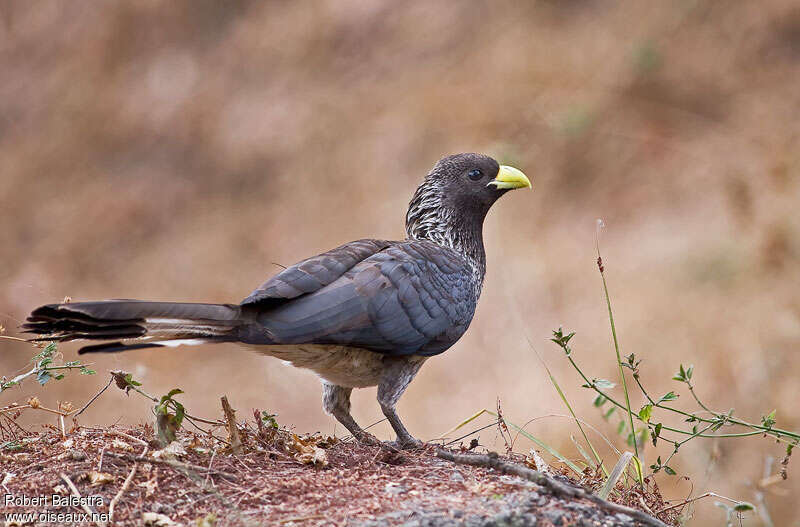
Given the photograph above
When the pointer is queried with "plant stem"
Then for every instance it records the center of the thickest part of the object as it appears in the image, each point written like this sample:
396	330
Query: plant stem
619	362
597	457
155	400
774	432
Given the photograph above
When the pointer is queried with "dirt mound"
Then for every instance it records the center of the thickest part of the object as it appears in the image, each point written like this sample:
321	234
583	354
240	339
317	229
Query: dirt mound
278	477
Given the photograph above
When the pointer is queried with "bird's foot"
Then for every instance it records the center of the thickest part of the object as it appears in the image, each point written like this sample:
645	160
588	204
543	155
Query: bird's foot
365	438
407	443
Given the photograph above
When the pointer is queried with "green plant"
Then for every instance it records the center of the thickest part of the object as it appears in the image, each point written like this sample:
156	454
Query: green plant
46	367
596	461
169	413
267	419
705	422
734	511
169	416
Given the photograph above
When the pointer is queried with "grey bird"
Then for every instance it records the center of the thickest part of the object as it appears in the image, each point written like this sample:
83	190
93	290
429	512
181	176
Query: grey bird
368	313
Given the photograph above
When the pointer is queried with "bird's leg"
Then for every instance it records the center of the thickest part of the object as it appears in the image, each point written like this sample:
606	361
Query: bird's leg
397	373
336	401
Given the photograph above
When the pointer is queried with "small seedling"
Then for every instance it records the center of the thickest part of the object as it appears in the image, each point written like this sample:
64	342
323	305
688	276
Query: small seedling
169	416
47	367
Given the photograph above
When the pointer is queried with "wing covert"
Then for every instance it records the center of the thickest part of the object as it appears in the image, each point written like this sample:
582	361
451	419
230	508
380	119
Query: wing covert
410	298
313	273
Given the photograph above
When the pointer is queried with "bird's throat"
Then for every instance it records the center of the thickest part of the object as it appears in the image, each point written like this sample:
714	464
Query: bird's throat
448	228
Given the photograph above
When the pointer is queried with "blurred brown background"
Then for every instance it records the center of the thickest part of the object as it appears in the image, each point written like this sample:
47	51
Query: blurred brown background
173	150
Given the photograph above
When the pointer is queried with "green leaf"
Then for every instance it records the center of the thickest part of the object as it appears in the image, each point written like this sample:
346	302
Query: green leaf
43	376
59	376
603	383
669	471
769	419
174	391
180	411
669	396
656	433
269	419
743	506
689	371
48	351
599	401
11	445
562	340
646	412
621	427
129	380
87	371
609	412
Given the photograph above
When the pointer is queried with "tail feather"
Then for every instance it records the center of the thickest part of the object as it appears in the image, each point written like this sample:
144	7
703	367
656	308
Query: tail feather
147	324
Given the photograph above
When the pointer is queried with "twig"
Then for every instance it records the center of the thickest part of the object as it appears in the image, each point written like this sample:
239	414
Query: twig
700	497
299	519
492	460
350	436
172	463
493	423
206	432
233	432
502	427
98	394
124	487
127	436
77	494
208	469
9	409
12	338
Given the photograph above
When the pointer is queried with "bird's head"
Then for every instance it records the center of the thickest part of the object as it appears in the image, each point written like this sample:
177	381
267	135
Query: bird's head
450	205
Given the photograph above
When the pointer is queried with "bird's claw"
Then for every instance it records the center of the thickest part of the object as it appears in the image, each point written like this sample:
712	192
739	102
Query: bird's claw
404	444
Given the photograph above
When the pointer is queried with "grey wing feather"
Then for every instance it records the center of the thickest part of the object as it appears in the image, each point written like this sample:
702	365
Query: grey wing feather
313	273
410	298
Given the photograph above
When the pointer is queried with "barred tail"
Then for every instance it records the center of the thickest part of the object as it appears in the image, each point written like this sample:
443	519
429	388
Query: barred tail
140	324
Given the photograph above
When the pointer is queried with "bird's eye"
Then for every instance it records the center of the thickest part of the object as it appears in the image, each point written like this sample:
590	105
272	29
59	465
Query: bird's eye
475	174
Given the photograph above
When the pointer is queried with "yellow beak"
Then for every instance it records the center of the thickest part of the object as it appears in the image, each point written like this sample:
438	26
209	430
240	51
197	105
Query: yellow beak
510	178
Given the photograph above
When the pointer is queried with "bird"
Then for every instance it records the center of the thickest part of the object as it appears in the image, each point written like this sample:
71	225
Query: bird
370	312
